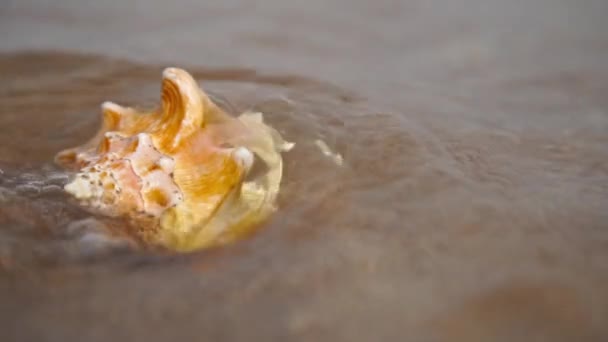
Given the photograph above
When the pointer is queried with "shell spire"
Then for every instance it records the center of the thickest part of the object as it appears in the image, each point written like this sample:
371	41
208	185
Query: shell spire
182	167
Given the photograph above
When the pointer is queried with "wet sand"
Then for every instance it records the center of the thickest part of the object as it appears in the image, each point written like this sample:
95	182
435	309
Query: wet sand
472	204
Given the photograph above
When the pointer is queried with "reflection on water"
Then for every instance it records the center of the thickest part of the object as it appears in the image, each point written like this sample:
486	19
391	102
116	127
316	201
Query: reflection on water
470	203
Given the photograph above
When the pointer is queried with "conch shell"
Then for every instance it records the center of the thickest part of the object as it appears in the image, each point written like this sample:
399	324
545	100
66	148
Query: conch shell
184	173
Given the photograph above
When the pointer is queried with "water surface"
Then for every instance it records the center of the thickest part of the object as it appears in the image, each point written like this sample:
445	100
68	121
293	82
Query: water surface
472	204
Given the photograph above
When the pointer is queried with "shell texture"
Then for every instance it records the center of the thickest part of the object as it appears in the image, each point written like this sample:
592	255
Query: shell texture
180	172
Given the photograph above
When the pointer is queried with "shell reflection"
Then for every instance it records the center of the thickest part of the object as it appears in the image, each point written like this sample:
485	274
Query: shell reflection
180	172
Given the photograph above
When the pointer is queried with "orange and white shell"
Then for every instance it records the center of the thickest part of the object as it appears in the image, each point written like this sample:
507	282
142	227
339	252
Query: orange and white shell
183	167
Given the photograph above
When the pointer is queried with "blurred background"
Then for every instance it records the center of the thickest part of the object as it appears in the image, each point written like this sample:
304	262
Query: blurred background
472	204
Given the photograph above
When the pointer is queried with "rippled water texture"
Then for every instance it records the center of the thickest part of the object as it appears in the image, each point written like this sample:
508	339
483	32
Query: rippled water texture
471	205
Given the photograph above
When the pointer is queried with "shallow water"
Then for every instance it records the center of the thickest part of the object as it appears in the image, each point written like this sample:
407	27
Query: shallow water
472	204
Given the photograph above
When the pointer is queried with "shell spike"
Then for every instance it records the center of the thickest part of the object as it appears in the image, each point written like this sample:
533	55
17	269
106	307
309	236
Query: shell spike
243	157
112	115
181	108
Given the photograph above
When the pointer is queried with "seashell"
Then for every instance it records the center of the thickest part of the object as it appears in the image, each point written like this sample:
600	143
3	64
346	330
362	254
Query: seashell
181	172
